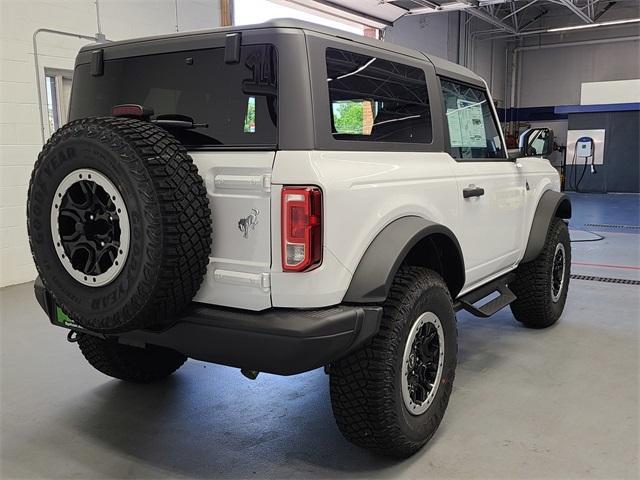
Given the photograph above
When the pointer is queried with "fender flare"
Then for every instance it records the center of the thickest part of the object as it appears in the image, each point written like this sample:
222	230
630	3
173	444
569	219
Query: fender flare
552	204
372	279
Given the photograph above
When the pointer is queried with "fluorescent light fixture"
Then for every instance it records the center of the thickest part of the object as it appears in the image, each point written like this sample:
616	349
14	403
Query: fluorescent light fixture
592	25
446	7
454	6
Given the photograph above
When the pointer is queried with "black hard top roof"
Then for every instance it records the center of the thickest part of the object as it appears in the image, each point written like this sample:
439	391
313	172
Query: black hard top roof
442	66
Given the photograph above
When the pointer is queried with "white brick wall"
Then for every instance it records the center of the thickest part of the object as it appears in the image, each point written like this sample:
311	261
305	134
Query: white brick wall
20	139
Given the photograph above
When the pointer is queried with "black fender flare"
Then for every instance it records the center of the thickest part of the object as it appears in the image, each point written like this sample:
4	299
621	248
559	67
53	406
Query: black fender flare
552	204
372	279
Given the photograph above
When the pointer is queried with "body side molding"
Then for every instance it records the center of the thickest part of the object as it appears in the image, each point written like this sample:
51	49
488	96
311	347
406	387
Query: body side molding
382	259
551	204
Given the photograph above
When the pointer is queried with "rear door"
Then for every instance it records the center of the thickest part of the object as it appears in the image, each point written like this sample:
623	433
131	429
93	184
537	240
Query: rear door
491	189
232	103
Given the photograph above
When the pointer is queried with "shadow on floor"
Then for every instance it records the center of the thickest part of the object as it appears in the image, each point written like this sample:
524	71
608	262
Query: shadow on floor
170	427
208	421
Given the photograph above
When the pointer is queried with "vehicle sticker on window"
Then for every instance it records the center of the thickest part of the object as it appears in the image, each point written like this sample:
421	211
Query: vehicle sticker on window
466	124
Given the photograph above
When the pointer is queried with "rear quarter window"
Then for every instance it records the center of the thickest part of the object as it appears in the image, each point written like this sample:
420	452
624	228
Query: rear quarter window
376	100
237	103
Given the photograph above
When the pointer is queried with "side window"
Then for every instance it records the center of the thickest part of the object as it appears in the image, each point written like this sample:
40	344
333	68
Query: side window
377	100
473	133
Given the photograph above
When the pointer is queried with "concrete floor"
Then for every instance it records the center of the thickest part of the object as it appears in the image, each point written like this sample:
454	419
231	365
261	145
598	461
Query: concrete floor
558	403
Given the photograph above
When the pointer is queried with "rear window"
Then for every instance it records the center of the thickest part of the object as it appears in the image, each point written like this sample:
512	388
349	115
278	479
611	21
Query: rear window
377	100
237	103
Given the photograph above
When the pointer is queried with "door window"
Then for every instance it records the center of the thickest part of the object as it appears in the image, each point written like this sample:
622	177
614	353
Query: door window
473	131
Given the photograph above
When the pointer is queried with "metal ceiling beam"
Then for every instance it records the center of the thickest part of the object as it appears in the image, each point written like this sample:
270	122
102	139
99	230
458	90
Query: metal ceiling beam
481	14
603	11
520	9
425	3
575	9
469	6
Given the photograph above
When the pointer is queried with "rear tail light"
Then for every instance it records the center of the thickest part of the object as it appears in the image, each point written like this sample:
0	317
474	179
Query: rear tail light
131	110
301	228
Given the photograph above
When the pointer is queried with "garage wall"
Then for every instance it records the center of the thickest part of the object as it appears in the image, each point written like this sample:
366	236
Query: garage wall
439	35
554	76
436	34
487	59
548	77
20	139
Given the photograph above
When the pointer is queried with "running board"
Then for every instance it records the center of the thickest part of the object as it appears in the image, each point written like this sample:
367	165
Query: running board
499	285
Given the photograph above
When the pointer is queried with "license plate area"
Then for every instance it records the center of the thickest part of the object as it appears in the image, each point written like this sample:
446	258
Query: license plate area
61	319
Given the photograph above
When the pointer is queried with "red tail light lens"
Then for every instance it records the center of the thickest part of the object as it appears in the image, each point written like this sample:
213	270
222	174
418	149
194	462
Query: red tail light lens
131	110
301	228
127	110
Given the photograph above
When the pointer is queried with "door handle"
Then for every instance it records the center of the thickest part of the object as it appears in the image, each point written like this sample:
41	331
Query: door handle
472	191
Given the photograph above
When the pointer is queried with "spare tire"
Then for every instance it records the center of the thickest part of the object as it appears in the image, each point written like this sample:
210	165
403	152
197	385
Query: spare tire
119	224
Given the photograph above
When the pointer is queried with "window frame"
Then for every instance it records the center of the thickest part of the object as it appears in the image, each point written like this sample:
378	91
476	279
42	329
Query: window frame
324	140
61	107
494	116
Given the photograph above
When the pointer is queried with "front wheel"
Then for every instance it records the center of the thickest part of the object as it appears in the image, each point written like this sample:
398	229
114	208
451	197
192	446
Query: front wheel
390	396
542	284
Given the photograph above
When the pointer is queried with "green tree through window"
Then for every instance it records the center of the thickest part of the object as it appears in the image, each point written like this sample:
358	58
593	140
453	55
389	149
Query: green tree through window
348	117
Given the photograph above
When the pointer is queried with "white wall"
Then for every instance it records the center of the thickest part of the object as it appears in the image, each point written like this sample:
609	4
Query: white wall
20	139
619	91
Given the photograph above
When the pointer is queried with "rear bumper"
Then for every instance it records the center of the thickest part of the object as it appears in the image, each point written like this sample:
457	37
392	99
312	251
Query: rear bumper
280	341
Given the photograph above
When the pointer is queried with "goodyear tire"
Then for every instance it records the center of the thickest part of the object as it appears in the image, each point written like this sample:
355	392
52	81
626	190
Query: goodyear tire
119	224
542	284
391	395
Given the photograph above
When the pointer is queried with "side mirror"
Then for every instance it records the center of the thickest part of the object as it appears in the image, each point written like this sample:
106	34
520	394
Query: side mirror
536	142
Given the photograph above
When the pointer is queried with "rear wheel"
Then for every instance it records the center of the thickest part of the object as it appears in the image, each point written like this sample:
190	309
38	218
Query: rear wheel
390	396
133	364
542	284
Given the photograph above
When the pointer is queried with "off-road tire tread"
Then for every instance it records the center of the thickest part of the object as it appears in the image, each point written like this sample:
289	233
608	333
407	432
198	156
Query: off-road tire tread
533	306
132	364
168	178
362	383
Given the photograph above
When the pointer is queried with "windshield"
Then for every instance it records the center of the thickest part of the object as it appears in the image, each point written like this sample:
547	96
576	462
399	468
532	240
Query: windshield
235	105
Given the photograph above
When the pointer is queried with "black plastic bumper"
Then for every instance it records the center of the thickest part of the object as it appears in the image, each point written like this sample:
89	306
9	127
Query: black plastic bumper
280	341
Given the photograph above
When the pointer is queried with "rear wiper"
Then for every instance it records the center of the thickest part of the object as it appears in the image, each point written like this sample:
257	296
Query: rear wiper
175	120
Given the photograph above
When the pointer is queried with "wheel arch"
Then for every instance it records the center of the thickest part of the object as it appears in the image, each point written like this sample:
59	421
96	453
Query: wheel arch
412	240
551	205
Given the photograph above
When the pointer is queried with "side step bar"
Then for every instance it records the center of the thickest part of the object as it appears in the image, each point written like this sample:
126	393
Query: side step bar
500	285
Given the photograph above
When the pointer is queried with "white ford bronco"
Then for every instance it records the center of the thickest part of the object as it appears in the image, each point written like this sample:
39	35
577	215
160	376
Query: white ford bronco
283	197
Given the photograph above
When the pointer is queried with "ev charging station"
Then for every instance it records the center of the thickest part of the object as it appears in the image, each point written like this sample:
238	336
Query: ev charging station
585	151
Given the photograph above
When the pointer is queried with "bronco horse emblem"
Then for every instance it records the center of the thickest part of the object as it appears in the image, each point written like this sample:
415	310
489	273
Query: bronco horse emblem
248	223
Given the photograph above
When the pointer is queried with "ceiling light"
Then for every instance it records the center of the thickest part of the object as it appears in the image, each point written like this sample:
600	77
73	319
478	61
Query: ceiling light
592	25
442	8
455	6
